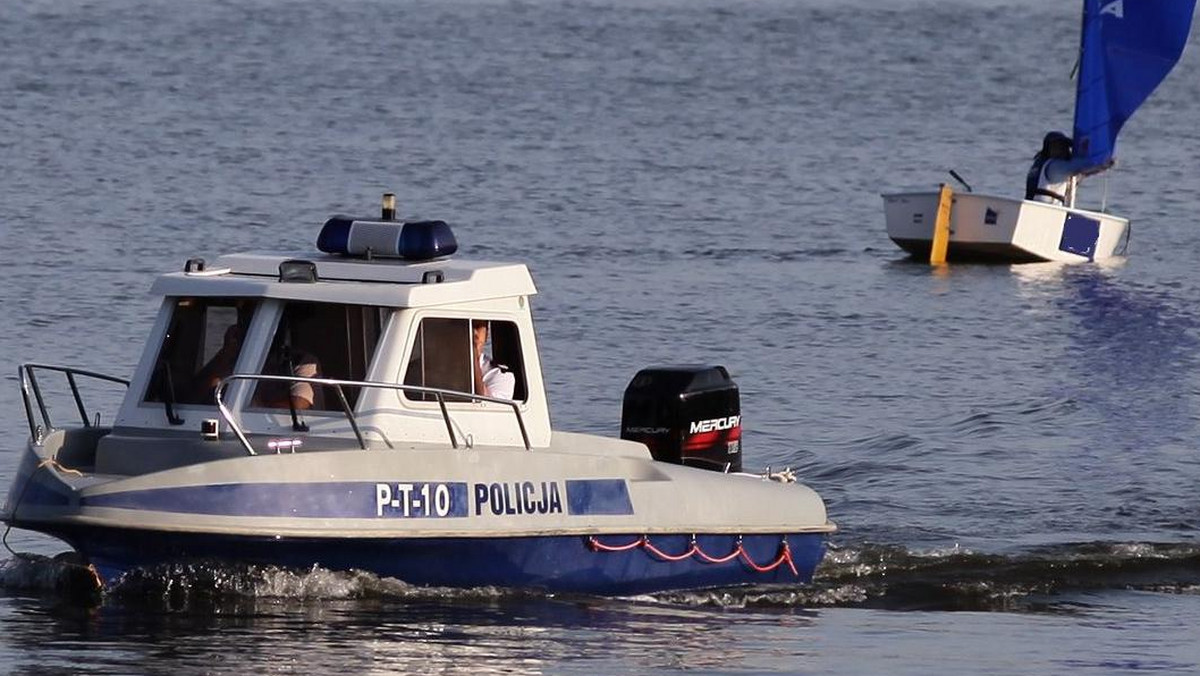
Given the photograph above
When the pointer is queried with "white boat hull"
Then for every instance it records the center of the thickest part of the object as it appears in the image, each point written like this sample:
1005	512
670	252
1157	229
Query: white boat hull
583	515
989	228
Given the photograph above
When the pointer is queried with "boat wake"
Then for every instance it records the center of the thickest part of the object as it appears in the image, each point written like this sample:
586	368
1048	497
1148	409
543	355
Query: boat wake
1041	580
871	576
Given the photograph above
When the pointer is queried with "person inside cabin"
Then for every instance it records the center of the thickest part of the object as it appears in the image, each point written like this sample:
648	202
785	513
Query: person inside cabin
284	358
300	395
221	364
491	379
1054	166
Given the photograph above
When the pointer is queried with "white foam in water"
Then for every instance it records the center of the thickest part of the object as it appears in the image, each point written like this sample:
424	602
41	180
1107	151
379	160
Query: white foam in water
177	584
1139	550
318	583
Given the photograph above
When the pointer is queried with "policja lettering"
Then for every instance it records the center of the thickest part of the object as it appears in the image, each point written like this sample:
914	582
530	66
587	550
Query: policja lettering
519	497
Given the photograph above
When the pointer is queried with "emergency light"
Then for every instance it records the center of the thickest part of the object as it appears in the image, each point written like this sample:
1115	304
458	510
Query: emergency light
416	240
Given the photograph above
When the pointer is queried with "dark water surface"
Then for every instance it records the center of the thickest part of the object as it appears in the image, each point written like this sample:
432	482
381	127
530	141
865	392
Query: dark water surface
1011	452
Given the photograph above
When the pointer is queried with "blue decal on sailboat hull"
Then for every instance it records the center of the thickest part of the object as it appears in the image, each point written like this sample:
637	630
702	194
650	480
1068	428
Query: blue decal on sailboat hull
1079	236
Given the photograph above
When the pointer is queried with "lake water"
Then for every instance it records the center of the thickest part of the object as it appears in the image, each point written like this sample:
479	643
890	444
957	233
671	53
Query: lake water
1011	453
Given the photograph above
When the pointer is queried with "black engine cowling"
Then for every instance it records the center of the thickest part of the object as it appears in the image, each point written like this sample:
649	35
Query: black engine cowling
688	415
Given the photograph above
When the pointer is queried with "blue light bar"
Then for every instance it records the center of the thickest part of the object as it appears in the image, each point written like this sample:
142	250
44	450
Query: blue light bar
417	240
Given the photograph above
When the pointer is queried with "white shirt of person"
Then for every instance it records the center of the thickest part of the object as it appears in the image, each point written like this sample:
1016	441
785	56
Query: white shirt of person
499	382
1056	178
307	368
1056	175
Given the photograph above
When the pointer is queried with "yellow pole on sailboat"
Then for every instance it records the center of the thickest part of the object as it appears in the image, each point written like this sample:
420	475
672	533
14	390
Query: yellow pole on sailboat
941	227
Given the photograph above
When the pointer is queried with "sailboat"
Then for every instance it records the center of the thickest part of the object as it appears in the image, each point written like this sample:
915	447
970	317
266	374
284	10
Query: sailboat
1127	48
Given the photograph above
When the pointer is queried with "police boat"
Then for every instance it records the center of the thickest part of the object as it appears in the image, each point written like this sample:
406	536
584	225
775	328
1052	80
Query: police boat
335	409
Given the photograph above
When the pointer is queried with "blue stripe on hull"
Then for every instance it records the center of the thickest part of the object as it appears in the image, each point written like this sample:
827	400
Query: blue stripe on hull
375	499
553	563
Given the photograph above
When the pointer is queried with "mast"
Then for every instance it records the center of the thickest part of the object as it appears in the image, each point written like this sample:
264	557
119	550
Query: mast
1088	77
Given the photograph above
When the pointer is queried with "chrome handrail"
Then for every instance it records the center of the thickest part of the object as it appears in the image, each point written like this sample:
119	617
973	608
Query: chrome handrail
29	385
337	384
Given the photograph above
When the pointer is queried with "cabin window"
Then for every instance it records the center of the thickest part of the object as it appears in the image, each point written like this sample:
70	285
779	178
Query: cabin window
444	356
202	345
319	340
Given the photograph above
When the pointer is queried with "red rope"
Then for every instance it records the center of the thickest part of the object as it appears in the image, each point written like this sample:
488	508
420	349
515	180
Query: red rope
667	557
785	553
737	551
785	556
598	546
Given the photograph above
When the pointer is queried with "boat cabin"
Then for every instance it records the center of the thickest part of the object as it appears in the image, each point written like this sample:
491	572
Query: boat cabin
368	341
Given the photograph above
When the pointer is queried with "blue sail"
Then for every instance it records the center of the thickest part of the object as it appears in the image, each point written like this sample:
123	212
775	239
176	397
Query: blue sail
1127	47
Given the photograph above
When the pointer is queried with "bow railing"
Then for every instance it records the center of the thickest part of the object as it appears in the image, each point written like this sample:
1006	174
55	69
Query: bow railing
31	394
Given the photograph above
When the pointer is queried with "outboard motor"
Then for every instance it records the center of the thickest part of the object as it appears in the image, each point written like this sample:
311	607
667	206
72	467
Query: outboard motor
688	415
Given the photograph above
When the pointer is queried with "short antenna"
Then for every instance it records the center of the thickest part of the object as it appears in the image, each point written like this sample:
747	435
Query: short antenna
961	180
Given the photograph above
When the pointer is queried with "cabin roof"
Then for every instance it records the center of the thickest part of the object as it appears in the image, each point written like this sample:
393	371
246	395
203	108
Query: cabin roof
383	281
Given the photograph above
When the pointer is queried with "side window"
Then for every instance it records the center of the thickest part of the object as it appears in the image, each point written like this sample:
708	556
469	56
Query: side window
439	357
477	356
319	340
203	341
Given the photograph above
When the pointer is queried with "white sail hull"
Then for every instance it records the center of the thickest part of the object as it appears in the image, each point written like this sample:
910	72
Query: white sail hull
985	227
